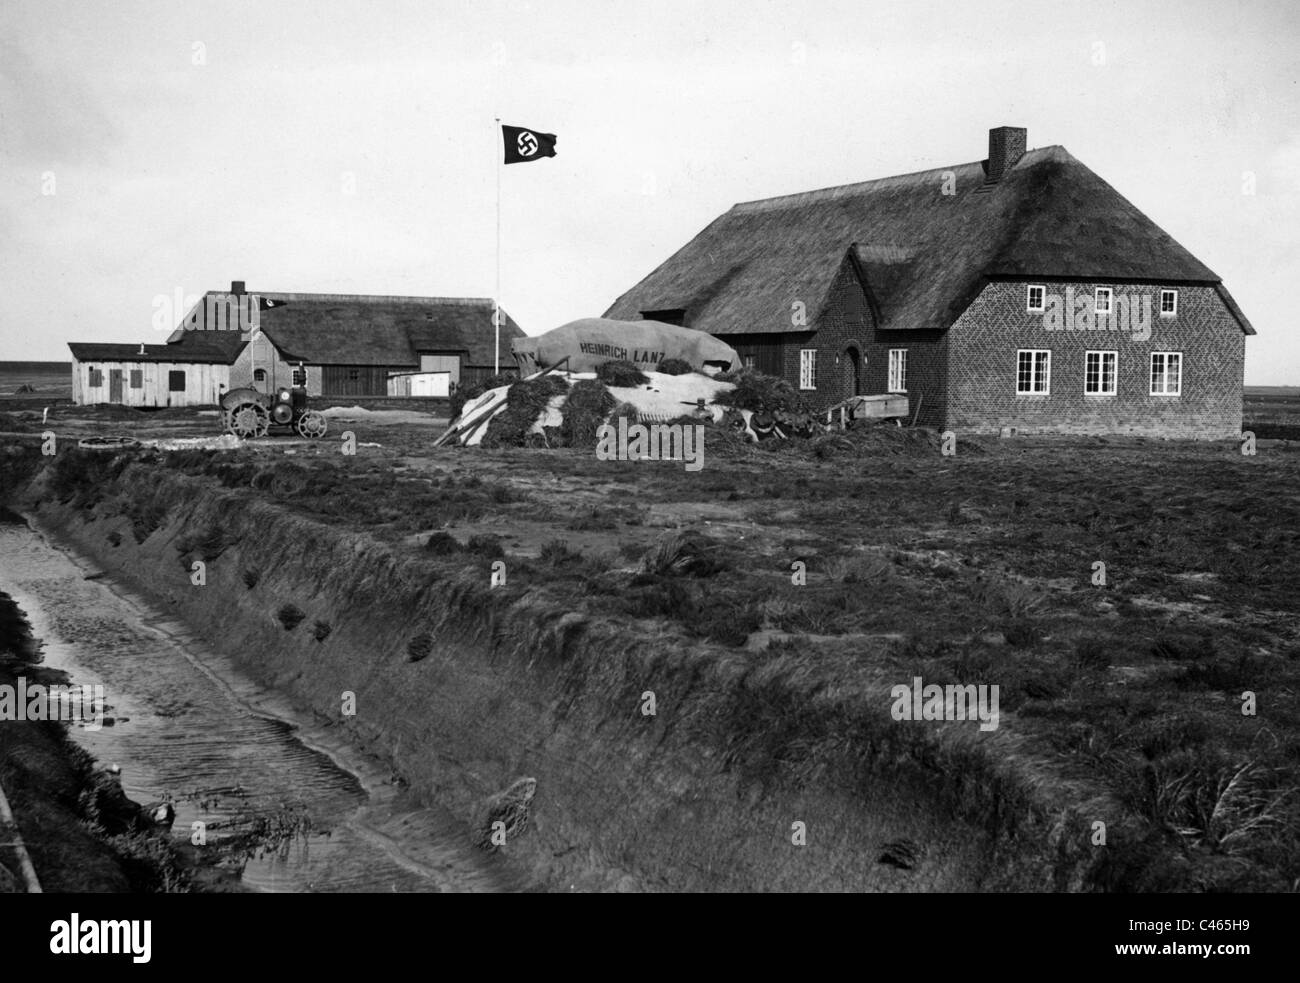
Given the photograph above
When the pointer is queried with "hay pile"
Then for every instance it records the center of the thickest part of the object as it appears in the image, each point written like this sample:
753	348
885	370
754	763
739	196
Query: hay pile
557	411
583	406
525	402
462	396
588	406
760	393
675	366
621	374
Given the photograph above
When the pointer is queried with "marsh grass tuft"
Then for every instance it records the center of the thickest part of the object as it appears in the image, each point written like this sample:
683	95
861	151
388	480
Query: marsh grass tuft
290	616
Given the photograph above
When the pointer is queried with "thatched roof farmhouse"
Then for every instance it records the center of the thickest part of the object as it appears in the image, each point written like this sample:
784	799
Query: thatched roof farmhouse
349	345
952	285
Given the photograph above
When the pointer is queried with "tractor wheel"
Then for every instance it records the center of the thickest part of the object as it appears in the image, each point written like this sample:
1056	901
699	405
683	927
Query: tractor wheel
312	425
248	420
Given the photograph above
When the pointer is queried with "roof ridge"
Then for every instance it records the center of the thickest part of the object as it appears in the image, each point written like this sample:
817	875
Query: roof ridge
390	298
847	190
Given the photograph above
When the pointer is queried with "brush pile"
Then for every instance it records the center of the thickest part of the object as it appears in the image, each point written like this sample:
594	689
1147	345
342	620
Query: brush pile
775	408
675	366
568	409
526	401
741	408
589	405
621	374
462	396
761	393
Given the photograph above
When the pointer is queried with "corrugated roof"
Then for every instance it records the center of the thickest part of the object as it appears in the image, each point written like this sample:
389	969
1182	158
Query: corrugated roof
923	255
199	347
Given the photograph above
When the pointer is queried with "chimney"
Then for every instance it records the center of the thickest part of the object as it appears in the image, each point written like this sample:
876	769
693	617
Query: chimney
237	286
1006	146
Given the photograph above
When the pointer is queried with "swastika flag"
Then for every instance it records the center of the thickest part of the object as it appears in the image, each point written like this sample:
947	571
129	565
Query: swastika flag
523	144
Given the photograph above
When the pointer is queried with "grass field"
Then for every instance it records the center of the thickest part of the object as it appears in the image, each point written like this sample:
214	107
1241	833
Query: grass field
1273	411
978	568
1170	683
51	380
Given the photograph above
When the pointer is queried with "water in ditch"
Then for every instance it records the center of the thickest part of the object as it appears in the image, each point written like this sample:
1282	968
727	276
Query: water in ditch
184	721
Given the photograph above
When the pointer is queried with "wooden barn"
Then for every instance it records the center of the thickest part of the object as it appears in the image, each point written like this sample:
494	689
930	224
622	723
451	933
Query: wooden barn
192	370
1020	292
351	344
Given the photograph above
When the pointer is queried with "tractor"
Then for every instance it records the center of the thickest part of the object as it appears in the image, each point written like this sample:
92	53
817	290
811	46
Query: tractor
248	412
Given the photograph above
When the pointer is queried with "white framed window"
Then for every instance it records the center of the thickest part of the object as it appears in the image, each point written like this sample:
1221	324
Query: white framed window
1033	372
1166	373
1099	373
898	370
750	361
1036	298
1102	300
808	368
1169	303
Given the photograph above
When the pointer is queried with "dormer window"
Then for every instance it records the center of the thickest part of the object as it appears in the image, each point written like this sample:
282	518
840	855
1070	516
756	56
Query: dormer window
669	315
1169	303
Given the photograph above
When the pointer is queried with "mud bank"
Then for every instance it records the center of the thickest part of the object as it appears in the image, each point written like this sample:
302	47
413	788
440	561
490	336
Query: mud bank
467	688
79	832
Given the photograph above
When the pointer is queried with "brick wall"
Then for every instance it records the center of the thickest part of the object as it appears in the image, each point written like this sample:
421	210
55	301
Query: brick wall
982	359
964	379
848	321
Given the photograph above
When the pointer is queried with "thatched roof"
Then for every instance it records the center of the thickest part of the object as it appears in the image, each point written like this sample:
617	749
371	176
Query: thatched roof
923	256
324	329
199	347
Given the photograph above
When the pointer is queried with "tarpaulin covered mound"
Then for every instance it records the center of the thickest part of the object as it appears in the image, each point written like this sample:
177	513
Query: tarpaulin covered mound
591	341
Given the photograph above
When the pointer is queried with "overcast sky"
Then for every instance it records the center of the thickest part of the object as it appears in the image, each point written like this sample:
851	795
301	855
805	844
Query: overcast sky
350	147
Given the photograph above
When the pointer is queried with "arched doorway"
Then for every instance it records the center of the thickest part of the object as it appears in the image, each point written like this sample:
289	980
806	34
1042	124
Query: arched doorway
852	371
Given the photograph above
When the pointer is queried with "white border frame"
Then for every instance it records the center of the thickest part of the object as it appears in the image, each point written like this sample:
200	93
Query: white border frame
889	371
1114	391
1150	374
1048	373
1161	309
812	373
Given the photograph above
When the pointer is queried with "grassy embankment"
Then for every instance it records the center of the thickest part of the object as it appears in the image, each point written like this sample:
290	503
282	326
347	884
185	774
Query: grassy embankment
1121	703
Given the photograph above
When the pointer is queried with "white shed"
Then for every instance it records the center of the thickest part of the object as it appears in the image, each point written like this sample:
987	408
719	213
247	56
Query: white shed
419	384
193	370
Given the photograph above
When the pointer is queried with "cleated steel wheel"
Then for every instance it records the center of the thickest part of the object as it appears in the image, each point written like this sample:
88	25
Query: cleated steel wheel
248	420
312	425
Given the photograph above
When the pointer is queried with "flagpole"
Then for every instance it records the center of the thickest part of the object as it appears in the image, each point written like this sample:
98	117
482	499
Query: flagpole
496	297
